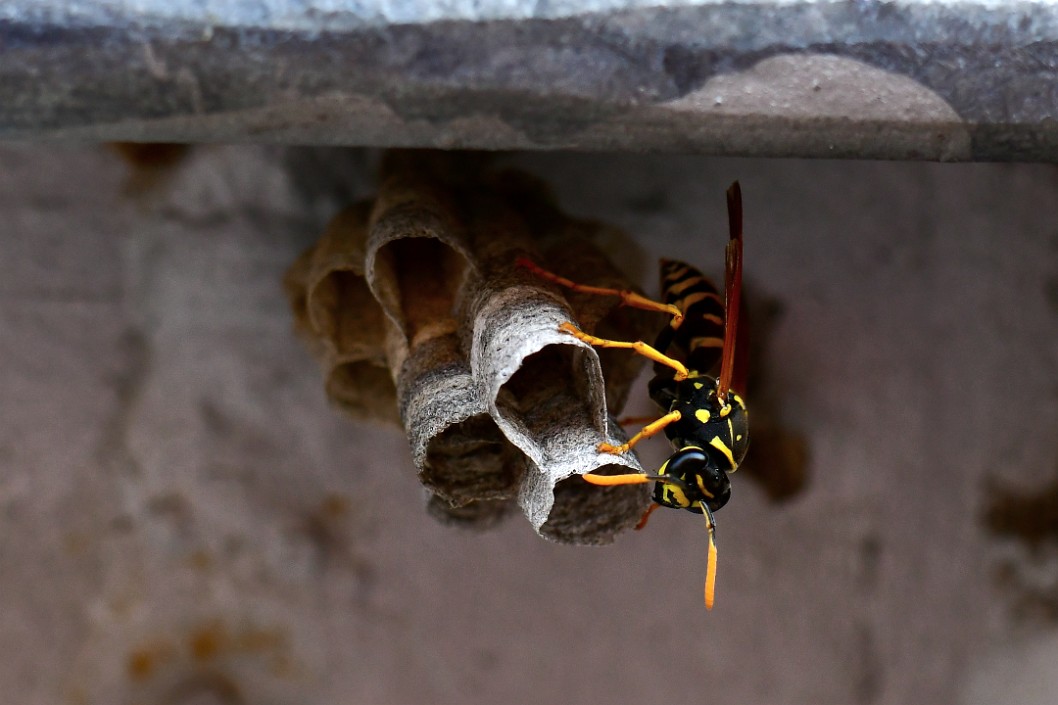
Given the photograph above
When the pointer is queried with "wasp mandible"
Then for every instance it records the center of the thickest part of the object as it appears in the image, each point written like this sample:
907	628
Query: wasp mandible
704	418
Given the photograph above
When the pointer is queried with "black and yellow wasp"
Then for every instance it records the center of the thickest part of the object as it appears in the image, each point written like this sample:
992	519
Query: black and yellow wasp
705	420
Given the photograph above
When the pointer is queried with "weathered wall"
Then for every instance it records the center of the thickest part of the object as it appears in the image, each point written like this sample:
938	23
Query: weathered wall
183	519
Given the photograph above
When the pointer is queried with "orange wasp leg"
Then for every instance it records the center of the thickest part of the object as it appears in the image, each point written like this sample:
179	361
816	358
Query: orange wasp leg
639	346
646	516
628	297
648	431
634	478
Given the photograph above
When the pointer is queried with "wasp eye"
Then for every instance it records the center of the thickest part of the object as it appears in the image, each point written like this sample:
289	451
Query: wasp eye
705	480
688	462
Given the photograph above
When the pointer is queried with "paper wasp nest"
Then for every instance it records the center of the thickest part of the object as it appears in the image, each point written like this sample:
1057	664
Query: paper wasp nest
415	308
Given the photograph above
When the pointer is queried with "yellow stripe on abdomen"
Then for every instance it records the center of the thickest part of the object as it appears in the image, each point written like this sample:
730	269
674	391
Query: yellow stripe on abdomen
690	299
679	287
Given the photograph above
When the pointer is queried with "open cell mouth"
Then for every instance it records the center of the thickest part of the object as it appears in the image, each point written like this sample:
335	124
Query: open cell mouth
340	319
548	393
580	259
472	461
417	258
588	514
428	277
343	311
363	390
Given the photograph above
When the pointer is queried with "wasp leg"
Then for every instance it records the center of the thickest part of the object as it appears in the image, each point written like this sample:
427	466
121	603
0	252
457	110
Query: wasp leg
639	346
648	431
628	297
634	478
646	516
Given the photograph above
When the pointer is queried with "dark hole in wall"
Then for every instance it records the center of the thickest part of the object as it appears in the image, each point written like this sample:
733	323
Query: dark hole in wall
150	155
1029	517
151	164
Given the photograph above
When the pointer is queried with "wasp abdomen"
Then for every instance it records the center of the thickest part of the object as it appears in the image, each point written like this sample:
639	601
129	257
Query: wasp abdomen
700	338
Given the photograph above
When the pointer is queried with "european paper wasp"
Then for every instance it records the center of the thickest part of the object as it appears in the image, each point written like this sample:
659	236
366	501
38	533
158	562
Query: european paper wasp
704	418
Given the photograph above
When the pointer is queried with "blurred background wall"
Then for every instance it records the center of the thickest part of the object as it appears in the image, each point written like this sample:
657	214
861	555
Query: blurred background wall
183	519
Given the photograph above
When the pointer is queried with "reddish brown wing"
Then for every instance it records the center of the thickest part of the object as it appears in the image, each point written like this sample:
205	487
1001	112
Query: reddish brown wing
732	289
740	375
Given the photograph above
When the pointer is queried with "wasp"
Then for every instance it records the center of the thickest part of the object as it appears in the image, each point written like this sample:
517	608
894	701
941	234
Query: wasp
703	417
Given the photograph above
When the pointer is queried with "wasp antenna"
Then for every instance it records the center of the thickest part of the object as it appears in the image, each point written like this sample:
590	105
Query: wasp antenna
710	569
732	290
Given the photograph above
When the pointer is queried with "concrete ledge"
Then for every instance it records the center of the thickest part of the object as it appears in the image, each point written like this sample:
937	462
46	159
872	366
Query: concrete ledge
897	80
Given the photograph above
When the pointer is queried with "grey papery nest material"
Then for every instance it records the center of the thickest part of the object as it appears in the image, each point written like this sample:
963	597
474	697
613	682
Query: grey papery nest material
499	405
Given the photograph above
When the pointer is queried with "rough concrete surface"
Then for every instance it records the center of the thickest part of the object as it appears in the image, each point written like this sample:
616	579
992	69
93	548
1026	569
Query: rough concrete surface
183	519
947	80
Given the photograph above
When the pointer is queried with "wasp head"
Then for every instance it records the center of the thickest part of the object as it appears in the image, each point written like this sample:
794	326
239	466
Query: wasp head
696	477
